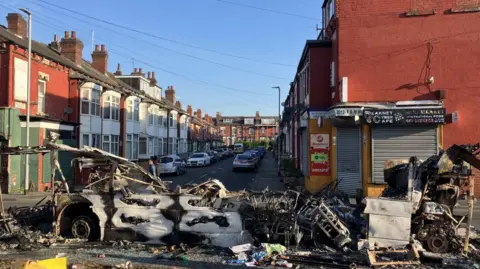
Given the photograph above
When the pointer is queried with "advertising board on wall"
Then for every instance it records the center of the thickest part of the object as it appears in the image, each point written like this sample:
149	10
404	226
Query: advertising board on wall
319	154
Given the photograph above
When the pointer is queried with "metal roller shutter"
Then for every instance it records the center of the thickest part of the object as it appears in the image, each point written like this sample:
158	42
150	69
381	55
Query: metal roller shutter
349	170
401	142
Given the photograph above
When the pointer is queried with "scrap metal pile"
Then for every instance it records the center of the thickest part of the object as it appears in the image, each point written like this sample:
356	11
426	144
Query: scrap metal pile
124	202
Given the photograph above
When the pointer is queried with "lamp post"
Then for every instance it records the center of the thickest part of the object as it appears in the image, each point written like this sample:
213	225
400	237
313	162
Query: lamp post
278	130
27	125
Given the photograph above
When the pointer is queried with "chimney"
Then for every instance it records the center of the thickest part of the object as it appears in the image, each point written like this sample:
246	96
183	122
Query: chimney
205	118
170	94
149	75
189	110
100	59
257	115
119	70
199	113
219	117
17	24
178	104
153	80
140	72
71	47
55	45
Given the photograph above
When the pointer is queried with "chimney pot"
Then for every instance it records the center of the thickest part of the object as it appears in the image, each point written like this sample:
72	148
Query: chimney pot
55	38
153	74
135	70
149	75
140	70
119	70
103	47
74	34
67	34
96	47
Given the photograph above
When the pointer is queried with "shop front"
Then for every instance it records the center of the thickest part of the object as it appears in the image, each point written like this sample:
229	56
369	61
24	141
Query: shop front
398	134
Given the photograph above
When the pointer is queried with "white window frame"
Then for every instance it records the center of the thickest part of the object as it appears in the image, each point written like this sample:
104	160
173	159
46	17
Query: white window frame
87	137
170	119
106	143
130	109
164	146
115	144
150	145
136	110
151	116
96	141
112	104
129	146
135	147
42	96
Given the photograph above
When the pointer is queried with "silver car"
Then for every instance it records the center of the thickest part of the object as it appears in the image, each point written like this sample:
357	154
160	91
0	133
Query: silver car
171	164
244	161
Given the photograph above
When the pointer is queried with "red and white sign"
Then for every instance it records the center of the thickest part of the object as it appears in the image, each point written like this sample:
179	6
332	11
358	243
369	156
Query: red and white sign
319	141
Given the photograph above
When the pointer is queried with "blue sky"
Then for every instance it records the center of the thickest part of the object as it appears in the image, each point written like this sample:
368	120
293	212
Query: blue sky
213	25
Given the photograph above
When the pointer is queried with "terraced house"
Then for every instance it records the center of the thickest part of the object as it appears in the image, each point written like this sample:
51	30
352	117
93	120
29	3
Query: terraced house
125	115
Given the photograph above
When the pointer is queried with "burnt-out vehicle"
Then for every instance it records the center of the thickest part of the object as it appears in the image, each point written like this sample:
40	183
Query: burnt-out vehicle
124	202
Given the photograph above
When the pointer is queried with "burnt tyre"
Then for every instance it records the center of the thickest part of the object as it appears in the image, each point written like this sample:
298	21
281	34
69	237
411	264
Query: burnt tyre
84	228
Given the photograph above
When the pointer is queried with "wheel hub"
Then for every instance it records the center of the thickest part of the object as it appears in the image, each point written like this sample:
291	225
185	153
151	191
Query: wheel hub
81	229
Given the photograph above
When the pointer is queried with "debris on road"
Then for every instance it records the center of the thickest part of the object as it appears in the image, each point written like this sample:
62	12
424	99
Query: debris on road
126	207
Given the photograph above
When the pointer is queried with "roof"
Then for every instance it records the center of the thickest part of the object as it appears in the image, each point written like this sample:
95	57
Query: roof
312	44
83	71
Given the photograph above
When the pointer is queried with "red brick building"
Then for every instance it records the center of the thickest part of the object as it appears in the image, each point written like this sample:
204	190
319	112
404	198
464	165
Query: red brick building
234	129
417	60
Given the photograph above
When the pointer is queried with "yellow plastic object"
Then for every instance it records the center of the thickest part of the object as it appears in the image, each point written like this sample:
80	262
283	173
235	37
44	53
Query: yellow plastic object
56	263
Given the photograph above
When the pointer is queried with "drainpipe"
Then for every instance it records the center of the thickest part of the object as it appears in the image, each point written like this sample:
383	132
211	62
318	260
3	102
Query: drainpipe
168	130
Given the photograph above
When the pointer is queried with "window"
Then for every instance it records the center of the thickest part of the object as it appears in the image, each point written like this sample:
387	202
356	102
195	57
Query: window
129	144
170	145
228	120
170	119
151	115
164	146
136	108
106	143
42	89
263	130
85	140
151	145
95	103
85	101
111	107
143	145
130	109
159	147
115	144
328	12
251	131
175	145
96	140
135	147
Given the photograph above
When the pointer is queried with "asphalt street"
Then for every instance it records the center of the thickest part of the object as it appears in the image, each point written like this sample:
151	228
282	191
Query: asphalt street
265	176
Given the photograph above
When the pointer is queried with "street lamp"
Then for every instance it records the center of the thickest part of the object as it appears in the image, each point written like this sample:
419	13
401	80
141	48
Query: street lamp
278	130
27	125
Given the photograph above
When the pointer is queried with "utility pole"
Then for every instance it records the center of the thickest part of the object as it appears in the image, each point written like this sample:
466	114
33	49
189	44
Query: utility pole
29	69
278	130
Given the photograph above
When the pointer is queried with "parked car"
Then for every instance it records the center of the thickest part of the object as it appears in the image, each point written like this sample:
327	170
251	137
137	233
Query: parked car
244	161
214	157
254	156
238	148
230	152
262	150
171	164
222	153
199	159
257	154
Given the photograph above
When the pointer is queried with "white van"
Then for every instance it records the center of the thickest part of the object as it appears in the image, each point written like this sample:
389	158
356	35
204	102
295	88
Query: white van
238	148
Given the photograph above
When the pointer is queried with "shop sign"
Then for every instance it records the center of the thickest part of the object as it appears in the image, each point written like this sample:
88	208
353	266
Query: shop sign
405	116
317	114
320	162
319	141
345	112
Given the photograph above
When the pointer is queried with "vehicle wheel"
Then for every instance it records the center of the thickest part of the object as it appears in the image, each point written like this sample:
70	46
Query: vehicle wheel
83	227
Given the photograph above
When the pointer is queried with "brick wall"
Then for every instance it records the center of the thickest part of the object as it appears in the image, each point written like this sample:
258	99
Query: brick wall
389	56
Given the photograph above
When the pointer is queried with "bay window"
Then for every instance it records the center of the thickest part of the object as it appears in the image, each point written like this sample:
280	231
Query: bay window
106	143
164	146
85	140
170	119
133	107
150	148
136	109
111	107
96	140
151	115
170	145
159	147
90	102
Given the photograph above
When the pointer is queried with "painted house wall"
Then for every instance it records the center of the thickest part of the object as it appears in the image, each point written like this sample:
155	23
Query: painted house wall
56	79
